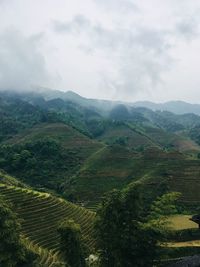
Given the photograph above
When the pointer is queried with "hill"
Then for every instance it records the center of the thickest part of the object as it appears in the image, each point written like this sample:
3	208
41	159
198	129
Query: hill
159	171
127	134
140	136
111	167
82	151
177	107
47	154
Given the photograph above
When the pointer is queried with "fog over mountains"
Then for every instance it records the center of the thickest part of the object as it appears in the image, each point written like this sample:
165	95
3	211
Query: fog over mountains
177	107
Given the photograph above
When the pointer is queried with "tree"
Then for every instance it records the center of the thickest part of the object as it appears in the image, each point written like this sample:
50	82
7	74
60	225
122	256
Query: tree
71	243
13	252
128	233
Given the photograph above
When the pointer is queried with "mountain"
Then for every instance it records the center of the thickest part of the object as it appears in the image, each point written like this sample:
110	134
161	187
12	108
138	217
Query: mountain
40	94
81	148
58	147
177	107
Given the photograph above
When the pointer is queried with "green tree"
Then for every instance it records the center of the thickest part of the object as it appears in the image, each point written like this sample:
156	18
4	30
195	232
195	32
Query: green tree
128	233
12	250
71	243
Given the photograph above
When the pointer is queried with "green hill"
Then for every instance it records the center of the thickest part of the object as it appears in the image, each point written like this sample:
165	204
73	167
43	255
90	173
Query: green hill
111	167
168	140
116	166
47	155
128	144
129	135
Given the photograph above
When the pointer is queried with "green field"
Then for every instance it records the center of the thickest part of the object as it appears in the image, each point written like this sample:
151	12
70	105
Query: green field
180	222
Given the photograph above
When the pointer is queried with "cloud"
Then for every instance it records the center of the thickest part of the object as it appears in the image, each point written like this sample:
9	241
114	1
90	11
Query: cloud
125	6
21	63
188	28
117	48
78	23
137	55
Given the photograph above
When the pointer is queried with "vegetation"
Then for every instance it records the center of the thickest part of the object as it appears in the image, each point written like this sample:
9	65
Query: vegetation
34	161
80	149
124	221
47	156
71	244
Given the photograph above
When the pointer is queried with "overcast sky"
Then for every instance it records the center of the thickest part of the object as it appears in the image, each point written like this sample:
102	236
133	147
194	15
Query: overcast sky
111	49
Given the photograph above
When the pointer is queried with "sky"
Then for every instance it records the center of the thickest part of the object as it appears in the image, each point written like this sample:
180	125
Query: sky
125	50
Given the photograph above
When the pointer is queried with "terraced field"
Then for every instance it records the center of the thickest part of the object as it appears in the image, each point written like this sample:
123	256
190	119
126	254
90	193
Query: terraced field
184	176
110	167
9	180
134	139
65	134
40	214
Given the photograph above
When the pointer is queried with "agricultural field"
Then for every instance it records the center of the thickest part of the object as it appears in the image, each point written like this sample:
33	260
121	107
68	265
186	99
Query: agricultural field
181	222
40	214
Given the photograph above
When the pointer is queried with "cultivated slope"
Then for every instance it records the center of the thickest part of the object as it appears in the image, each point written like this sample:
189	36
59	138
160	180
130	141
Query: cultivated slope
111	167
69	137
40	214
130	135
159	171
69	151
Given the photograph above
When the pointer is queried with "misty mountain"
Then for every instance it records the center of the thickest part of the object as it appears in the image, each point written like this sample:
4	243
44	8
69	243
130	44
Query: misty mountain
177	107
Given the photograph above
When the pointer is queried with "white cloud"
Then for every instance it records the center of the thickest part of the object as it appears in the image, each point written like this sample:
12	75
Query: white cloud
21	63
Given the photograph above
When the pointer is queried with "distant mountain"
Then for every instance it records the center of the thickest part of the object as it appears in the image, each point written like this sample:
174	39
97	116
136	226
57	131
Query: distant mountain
97	104
177	107
39	94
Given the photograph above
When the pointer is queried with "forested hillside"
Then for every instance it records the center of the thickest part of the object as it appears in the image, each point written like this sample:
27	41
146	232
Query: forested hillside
59	147
81	151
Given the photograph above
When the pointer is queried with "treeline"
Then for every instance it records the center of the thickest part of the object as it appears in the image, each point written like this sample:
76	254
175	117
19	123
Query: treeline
40	162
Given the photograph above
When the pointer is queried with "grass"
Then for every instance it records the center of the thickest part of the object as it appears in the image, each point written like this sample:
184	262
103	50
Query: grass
194	243
184	240
181	222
